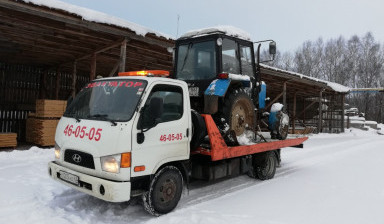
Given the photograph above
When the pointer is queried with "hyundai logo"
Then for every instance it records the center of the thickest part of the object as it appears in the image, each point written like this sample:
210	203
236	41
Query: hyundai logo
76	158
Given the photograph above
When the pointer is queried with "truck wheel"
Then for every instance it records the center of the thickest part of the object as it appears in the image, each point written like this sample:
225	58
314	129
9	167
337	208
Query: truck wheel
265	165
164	191
239	112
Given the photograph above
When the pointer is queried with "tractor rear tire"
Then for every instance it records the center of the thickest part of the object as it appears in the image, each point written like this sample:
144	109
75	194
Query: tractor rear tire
239	113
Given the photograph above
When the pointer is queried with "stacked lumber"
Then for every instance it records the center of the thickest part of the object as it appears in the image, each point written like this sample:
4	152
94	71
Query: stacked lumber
50	108
8	140
41	126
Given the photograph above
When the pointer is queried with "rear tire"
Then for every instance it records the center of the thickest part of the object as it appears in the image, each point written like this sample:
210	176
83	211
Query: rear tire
239	113
164	191
265	165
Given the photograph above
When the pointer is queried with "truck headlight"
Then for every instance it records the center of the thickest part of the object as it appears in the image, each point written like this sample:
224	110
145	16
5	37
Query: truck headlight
111	163
57	151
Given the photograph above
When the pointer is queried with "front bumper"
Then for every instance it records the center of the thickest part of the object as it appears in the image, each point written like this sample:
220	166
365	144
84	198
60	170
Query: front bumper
112	191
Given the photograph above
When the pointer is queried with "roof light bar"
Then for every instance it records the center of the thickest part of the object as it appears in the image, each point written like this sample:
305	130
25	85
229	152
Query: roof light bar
149	73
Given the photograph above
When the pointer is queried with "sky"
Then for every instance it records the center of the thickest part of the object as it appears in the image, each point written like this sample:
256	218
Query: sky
289	23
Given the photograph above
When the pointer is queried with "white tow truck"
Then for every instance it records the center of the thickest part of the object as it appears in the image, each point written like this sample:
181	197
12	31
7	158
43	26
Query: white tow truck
127	136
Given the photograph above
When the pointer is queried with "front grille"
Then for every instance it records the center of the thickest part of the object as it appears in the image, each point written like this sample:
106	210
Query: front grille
79	158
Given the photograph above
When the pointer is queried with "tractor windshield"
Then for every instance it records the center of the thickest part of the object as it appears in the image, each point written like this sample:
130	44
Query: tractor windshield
109	100
196	61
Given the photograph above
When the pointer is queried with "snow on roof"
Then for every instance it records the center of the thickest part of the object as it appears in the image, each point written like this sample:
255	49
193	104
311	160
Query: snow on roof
228	30
335	86
95	16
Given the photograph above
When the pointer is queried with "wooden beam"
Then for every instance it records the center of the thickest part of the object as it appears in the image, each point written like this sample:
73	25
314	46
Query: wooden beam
285	94
342	114
274	100
123	55
74	78
320	121
114	69
92	74
294	113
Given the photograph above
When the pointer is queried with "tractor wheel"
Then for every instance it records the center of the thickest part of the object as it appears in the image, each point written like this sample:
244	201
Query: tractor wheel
239	113
164	191
284	126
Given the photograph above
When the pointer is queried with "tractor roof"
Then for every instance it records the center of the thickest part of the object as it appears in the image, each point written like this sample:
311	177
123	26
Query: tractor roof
227	30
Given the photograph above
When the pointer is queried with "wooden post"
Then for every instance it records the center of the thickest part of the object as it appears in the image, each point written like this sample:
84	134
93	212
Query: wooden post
274	100
114	69
123	55
320	122
294	113
303	111
58	77
92	75
285	95
74	78
342	112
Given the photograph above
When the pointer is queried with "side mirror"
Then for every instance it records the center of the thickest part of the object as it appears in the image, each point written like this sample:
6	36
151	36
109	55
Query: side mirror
272	48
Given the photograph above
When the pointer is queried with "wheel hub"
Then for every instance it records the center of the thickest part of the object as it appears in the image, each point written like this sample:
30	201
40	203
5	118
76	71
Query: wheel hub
168	190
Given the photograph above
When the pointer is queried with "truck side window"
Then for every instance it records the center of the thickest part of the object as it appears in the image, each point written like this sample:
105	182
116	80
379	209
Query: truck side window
246	61
172	105
230	57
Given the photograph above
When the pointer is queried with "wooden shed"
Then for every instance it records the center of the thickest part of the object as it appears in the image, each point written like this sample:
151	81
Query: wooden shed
313	105
50	50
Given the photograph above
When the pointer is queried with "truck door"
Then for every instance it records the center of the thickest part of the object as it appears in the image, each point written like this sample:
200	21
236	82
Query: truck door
164	122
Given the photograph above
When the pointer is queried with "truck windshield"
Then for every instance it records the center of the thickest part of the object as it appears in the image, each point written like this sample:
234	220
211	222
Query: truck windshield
112	100
196	61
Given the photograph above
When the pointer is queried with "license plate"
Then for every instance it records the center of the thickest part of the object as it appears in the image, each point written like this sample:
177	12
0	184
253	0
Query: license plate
193	91
69	177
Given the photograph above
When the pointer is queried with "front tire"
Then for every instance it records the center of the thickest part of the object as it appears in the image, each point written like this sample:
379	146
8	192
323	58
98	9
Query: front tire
164	191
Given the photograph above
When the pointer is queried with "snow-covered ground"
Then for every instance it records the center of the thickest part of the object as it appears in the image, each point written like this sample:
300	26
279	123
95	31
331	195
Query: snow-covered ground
336	178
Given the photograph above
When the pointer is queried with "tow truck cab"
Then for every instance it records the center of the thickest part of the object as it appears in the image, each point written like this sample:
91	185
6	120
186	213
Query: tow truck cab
119	131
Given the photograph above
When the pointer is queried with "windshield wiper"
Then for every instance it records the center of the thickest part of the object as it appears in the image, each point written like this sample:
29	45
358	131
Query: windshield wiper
103	117
186	56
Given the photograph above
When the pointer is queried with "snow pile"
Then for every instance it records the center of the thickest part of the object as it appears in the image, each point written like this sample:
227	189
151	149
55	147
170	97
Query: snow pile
276	107
335	179
228	30
335	86
247	138
239	77
95	16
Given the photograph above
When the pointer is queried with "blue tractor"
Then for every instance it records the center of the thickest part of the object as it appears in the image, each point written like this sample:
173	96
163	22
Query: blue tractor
223	75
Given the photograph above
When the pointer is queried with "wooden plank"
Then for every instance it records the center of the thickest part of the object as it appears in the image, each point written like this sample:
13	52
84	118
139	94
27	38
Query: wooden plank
8	140
41	131
50	108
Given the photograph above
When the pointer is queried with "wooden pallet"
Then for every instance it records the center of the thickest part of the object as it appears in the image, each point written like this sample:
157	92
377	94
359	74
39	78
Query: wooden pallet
50	108
41	131
8	140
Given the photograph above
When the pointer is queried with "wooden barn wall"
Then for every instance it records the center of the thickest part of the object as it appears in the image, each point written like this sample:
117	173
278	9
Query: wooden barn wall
21	85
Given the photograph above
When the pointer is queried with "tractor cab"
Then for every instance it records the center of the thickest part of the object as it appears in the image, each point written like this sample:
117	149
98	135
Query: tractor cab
201	57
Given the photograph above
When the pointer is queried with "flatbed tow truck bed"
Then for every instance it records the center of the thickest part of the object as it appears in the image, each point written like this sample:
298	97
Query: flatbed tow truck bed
219	150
